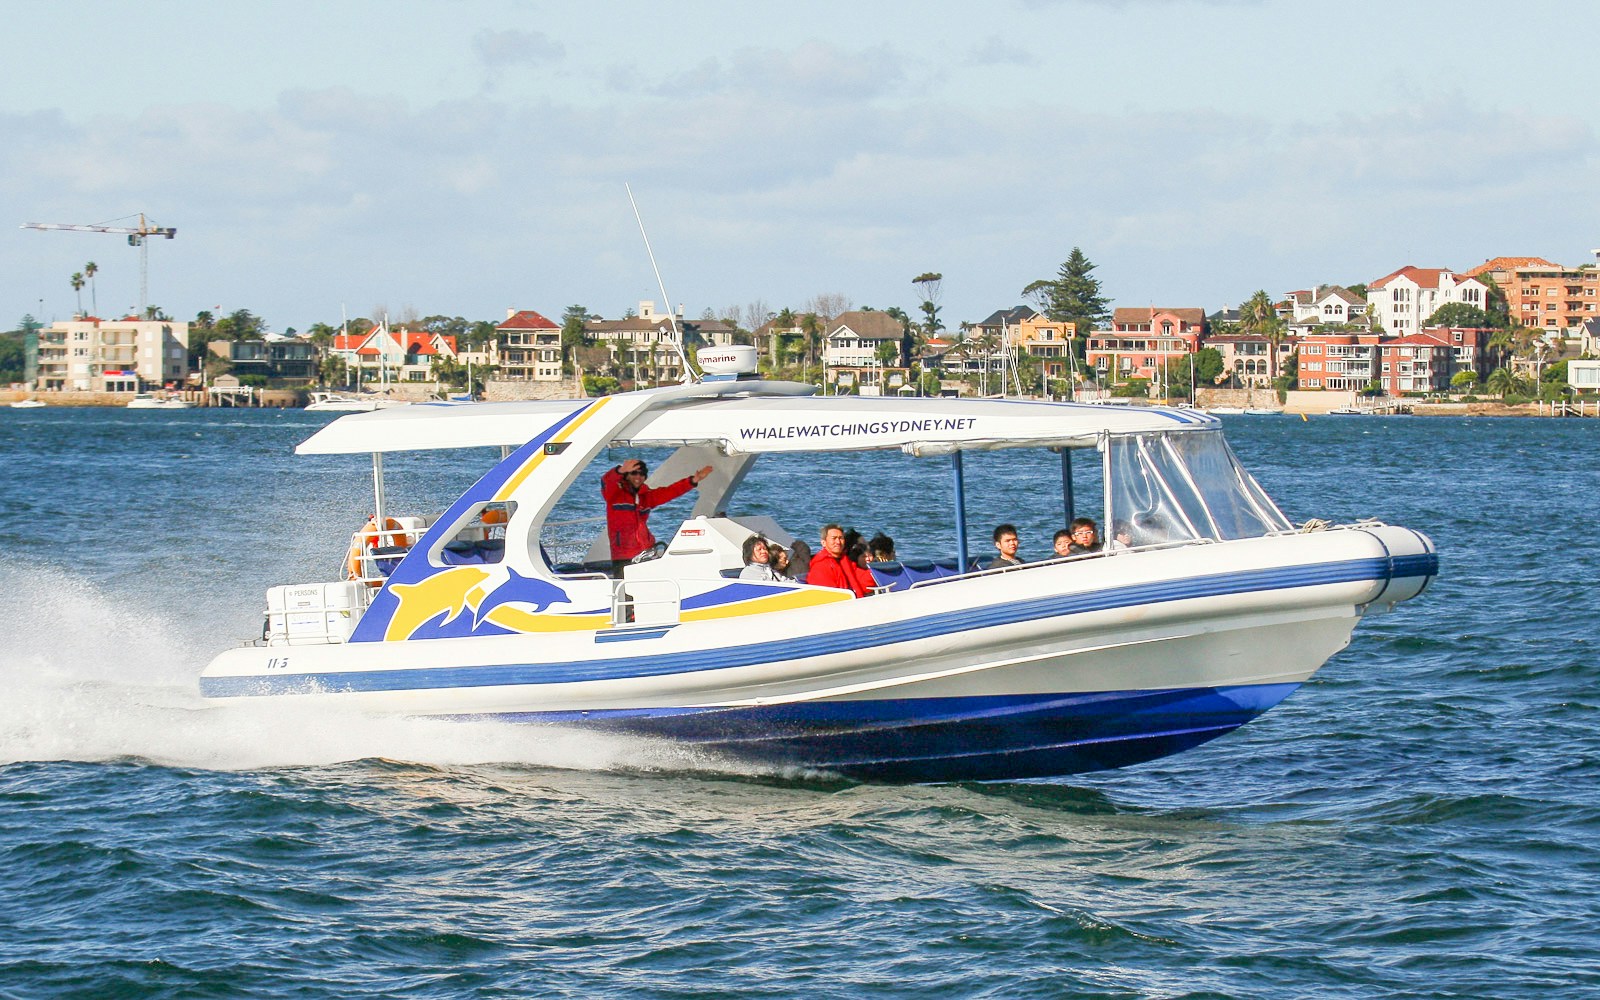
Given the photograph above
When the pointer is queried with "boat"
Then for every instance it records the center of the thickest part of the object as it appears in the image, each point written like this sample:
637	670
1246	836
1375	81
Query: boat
150	401
334	402
1213	610
1262	411
28	404
1225	411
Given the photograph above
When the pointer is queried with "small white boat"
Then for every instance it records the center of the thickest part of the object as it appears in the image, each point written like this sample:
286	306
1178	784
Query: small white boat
1225	411
28	404
150	401
334	402
1262	411
1217	608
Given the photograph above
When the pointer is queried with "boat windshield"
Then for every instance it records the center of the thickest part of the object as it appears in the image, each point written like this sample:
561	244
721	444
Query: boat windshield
1184	487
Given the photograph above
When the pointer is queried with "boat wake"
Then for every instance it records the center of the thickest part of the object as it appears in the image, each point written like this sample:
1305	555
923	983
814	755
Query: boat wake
94	677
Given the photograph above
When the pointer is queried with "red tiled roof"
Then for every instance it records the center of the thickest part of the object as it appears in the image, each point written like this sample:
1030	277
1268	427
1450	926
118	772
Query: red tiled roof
1142	314
527	319
1510	264
1425	277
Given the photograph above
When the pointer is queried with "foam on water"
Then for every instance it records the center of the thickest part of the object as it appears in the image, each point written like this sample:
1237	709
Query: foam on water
92	676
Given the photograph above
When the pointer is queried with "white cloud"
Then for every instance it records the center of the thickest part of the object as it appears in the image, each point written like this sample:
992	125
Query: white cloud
473	205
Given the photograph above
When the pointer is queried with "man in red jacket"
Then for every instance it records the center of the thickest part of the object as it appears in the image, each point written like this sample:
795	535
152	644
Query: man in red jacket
830	568
629	503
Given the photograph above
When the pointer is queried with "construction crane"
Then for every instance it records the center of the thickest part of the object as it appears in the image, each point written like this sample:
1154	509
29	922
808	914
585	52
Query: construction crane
137	237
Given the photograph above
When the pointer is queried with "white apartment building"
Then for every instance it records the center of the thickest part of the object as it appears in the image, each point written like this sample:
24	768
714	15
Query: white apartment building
1402	301
124	355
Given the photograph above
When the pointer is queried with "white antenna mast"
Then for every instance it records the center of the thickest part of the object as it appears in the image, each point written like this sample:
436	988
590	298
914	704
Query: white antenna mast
688	372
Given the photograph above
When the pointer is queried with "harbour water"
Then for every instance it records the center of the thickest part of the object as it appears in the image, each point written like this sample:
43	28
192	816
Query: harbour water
1420	820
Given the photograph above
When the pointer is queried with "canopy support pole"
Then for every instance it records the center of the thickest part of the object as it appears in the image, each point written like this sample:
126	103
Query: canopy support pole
1068	500
377	488
961	510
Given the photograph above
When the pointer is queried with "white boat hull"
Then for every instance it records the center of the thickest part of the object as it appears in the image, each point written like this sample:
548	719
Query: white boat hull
1050	669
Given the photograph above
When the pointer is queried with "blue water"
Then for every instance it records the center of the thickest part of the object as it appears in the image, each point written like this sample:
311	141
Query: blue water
1420	820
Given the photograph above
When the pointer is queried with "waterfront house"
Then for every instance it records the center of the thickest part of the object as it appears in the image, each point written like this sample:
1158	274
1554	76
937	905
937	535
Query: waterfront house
1326	306
1418	362
529	347
1469	347
385	354
1245	357
1048	340
643	347
867	348
275	357
1338	360
1141	342
1401	301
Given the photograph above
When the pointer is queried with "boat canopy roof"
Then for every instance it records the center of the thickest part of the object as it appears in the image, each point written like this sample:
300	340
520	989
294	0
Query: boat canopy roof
770	419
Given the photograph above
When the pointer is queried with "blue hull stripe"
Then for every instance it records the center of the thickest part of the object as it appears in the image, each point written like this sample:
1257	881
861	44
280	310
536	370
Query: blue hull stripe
948	623
950	739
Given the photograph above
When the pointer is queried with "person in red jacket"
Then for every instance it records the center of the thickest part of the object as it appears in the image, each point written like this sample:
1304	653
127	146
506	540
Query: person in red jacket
629	502
830	568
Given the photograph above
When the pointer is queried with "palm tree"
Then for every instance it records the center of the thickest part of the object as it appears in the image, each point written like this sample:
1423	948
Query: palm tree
1504	382
811	326
77	286
1259	317
89	271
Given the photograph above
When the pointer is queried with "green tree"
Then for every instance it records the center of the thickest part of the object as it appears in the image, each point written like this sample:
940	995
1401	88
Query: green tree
573	334
931	285
1466	380
1074	295
89	271
1457	314
1207	365
1496	307
76	281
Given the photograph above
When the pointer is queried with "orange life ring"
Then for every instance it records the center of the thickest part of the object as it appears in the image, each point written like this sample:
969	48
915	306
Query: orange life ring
369	539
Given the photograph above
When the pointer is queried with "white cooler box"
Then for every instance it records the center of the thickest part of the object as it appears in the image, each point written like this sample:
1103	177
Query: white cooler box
307	613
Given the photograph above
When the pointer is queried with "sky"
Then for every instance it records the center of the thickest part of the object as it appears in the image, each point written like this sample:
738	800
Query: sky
469	157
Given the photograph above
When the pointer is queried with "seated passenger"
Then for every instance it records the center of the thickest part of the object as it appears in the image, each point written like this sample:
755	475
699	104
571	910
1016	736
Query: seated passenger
1005	542
778	559
799	567
858	553
882	548
1121	537
1085	536
830	568
757	560
1062	542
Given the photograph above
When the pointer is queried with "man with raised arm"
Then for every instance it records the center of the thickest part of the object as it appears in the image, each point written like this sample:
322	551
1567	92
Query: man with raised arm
629	502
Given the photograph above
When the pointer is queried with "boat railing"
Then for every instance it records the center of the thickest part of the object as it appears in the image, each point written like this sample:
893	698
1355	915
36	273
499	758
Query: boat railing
375	552
645	602
1061	560
312	614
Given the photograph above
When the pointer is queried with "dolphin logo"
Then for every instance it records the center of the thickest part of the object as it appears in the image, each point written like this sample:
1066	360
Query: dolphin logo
451	591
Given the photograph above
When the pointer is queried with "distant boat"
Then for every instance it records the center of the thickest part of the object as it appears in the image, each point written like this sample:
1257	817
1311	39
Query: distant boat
150	401
1347	411
1261	411
1226	411
28	404
334	402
